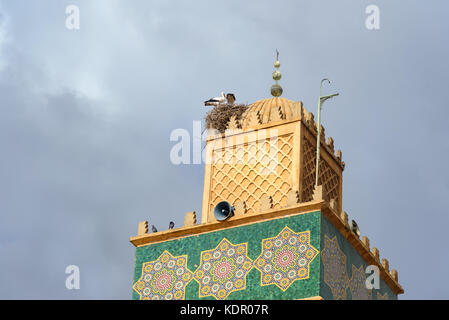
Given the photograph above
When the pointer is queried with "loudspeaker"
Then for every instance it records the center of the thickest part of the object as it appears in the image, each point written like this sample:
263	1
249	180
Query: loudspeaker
223	211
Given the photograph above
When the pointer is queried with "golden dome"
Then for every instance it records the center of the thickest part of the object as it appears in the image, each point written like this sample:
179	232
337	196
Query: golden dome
270	110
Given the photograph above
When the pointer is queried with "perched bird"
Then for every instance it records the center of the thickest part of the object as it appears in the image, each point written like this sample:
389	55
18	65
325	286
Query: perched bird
230	97
153	228
171	225
215	101
355	228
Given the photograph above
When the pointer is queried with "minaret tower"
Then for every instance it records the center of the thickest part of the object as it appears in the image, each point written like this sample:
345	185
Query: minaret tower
283	238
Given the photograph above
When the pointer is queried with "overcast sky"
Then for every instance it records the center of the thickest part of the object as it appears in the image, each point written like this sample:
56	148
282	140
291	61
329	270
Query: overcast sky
86	116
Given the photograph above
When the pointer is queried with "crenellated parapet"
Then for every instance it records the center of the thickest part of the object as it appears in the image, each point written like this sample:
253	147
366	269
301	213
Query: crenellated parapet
275	110
311	125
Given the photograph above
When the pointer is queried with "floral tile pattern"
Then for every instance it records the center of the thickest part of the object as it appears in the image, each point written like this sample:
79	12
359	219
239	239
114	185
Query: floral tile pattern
223	270
285	258
164	278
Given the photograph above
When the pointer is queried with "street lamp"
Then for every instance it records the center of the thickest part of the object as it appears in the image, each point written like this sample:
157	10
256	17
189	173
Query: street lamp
321	100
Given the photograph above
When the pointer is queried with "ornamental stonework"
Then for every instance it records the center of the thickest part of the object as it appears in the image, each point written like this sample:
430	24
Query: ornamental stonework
223	270
285	258
249	173
164	278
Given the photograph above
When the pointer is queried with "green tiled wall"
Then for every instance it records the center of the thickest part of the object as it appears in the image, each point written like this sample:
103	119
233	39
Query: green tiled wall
253	235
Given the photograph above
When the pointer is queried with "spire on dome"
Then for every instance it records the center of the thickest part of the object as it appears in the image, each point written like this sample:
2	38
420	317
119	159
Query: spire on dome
276	89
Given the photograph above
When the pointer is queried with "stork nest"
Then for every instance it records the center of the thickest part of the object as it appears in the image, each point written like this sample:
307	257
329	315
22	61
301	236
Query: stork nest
219	116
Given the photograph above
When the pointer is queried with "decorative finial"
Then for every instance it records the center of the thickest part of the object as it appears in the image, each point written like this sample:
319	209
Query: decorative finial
276	89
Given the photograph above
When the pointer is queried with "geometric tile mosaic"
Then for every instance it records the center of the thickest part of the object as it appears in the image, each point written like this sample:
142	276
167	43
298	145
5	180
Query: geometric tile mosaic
336	277
285	258
223	270
334	263
357	284
164	278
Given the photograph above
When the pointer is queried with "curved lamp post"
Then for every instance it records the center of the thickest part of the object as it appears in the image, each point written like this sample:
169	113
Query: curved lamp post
321	100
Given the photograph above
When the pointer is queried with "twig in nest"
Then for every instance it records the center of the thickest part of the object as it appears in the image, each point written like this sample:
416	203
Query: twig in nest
219	116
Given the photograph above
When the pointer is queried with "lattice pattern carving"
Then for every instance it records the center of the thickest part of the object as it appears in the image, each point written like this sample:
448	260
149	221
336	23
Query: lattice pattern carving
253	171
308	174
328	178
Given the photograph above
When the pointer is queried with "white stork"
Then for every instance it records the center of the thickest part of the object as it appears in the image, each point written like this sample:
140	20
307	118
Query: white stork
215	101
231	98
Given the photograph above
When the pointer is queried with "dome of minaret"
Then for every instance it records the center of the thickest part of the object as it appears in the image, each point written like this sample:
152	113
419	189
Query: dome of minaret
270	110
